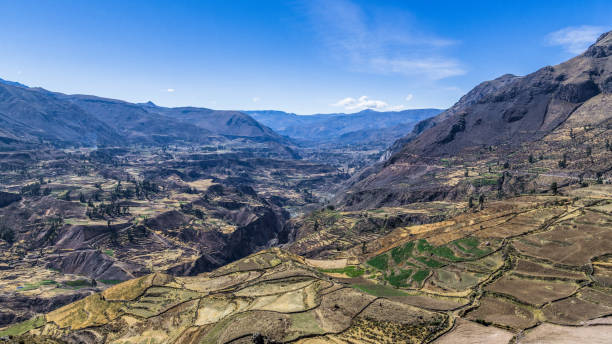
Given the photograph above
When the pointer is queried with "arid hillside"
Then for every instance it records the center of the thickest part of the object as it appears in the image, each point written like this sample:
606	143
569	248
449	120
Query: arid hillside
509	135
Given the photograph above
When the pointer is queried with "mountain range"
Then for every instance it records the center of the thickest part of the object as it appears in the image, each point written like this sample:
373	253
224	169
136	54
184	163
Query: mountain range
366	126
33	115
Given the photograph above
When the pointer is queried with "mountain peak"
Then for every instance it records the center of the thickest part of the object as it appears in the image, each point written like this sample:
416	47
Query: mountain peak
12	83
605	38
602	47
149	103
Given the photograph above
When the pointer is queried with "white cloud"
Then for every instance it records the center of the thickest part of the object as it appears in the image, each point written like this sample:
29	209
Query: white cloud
409	97
363	102
376	39
255	99
575	39
170	90
433	68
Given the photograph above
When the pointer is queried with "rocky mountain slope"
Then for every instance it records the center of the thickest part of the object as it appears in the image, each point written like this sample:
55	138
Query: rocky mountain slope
555	113
34	115
513	109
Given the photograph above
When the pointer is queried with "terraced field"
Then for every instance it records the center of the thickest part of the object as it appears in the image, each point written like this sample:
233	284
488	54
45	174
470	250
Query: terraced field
515	266
272	293
522	270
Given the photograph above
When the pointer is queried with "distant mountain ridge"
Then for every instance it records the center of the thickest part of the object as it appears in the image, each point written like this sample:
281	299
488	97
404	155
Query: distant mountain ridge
35	115
361	127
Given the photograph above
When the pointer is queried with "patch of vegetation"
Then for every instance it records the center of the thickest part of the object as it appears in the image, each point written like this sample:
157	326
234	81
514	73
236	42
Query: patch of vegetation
31	190
446	253
7	234
32	286
381	262
378	290
23	327
351	271
430	262
399	280
420	275
78	283
110	281
483	322
440	251
109	252
479	182
399	254
469	245
423	246
376	211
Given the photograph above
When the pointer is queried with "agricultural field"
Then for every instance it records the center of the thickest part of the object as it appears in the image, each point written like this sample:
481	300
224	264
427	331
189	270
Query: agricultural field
441	282
504	271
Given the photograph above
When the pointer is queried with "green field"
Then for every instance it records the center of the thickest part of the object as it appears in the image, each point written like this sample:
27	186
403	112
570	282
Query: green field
351	271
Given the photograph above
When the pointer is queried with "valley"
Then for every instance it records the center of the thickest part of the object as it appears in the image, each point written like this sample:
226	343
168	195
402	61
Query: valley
83	219
488	222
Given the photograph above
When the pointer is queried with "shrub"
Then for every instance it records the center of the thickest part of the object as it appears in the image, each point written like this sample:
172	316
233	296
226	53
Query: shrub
7	234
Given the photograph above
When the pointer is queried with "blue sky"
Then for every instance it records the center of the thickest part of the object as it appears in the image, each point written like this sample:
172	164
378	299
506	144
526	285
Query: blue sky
308	56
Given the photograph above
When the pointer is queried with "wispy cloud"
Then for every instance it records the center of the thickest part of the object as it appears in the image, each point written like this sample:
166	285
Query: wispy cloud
409	97
380	40
433	68
363	102
170	90
575	39
255	99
